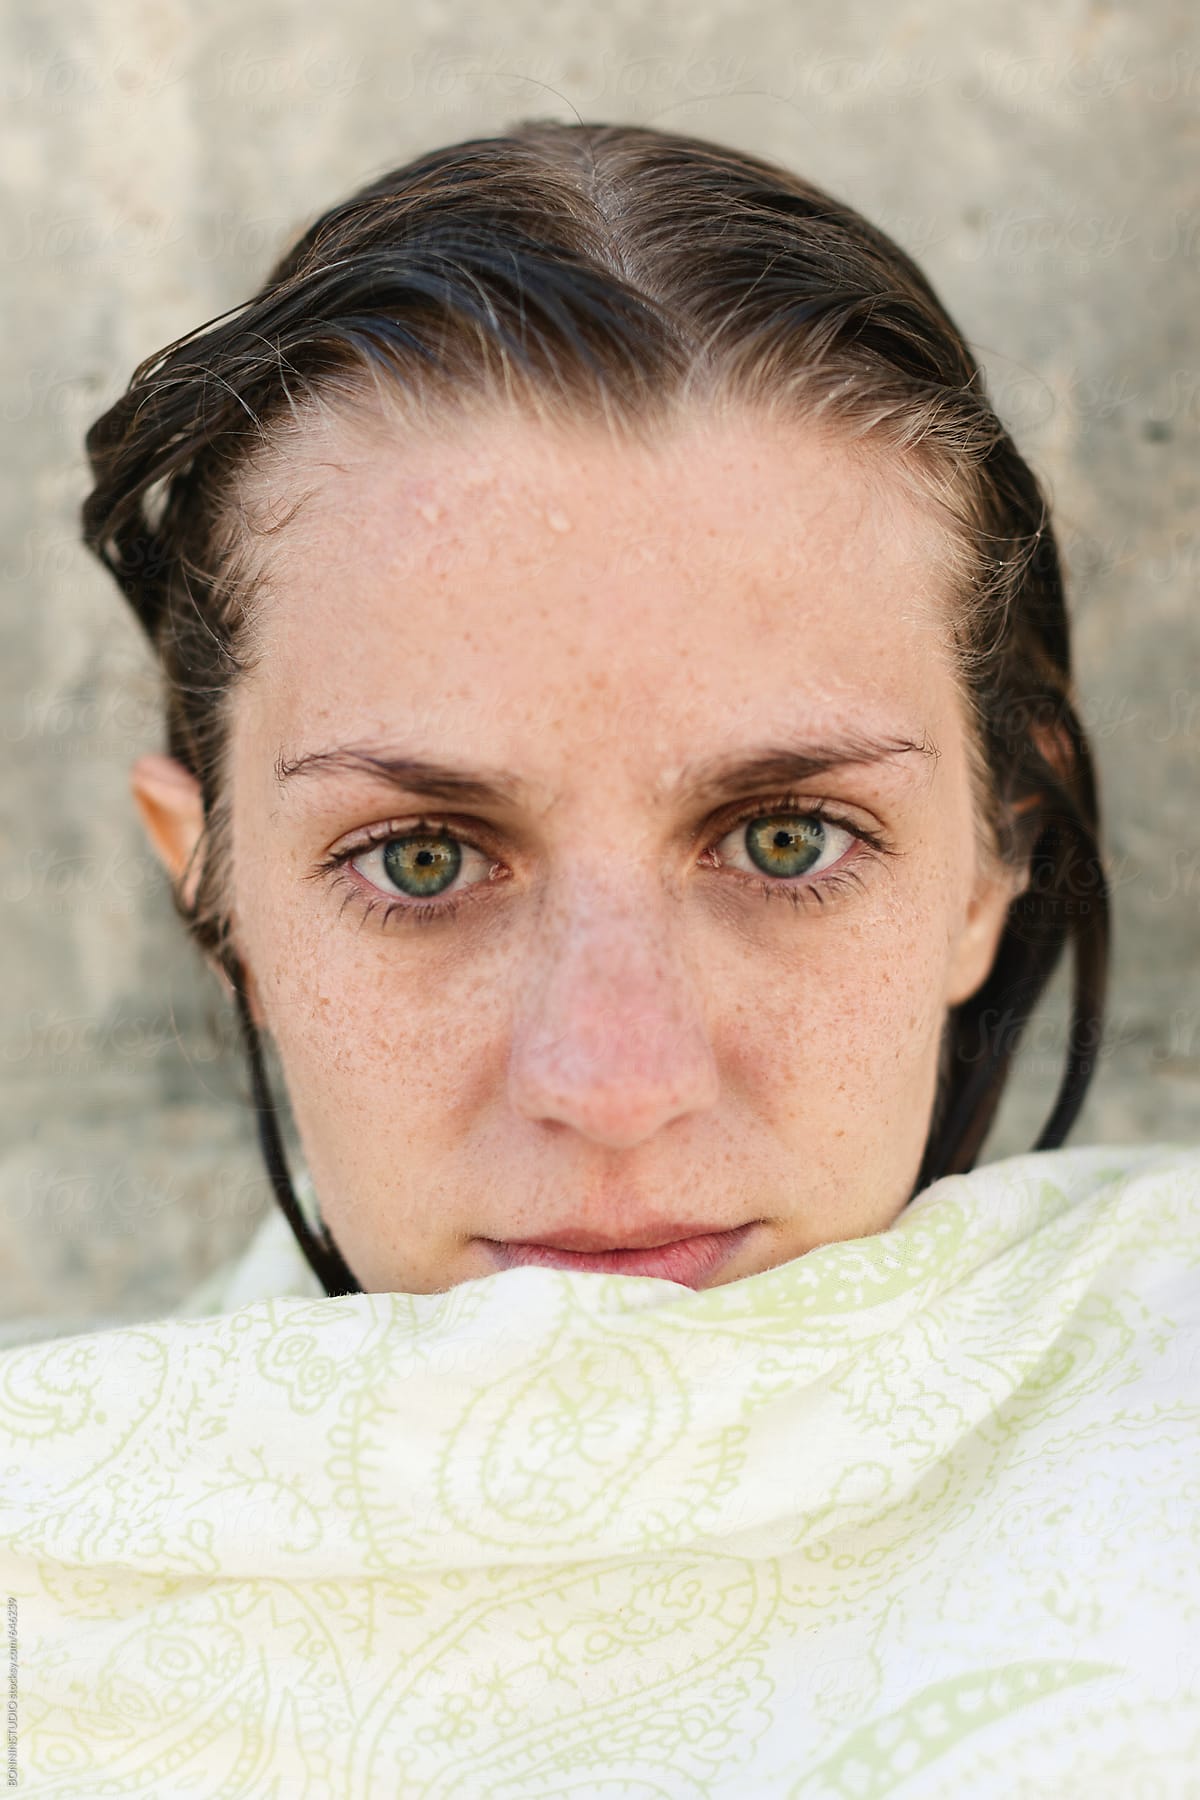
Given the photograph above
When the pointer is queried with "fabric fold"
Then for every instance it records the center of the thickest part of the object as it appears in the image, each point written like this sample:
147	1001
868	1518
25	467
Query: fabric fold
912	1514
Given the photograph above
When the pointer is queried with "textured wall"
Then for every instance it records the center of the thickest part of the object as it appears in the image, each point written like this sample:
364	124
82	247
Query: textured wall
1041	163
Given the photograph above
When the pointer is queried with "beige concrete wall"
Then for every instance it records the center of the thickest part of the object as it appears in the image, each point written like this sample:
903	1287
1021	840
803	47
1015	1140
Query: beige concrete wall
1041	163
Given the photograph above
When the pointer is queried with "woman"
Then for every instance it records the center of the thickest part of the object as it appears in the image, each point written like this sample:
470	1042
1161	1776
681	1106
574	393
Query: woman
586	540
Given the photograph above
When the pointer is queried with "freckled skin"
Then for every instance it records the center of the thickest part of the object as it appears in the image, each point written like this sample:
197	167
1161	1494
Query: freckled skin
612	1031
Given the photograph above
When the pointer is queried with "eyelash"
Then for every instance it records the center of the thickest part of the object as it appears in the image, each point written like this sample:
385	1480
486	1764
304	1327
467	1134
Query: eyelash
817	891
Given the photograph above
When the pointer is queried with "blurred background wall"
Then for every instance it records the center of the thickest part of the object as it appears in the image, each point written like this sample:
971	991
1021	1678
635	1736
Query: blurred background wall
1041	163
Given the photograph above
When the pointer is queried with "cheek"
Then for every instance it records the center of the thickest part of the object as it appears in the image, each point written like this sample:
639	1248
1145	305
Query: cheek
848	1007
382	1042
343	1028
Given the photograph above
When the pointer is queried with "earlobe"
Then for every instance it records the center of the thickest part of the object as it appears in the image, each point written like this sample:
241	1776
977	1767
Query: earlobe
171	806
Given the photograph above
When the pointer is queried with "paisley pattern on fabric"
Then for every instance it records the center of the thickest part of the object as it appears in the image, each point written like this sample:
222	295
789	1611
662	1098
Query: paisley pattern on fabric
915	1515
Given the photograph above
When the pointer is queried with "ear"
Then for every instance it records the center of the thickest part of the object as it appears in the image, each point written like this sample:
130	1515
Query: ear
169	800
171	805
975	948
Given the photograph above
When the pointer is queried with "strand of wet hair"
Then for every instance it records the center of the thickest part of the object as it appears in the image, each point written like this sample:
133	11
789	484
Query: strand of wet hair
321	1253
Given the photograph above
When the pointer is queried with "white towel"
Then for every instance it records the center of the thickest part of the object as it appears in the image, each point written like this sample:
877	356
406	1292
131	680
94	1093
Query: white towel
915	1515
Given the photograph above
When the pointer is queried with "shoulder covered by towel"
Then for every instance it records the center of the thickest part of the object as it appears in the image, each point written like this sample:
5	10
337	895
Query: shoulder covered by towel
915	1515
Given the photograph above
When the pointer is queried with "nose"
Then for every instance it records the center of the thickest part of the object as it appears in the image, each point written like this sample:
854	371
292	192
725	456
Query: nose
611	1038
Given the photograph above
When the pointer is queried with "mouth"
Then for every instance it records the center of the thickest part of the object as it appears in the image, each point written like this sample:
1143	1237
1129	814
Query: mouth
688	1260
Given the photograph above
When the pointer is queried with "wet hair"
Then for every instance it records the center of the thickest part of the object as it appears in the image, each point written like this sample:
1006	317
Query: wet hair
617	274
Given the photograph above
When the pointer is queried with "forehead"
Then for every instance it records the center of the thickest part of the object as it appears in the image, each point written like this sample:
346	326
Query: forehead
506	565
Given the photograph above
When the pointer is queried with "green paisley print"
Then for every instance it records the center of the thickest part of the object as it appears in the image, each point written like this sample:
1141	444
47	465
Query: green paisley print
914	1515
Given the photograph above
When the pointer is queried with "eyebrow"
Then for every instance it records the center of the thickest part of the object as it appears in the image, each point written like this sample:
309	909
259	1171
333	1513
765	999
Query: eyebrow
704	782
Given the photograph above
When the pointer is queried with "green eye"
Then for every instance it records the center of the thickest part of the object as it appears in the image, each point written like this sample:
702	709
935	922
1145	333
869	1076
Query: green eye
785	844
421	865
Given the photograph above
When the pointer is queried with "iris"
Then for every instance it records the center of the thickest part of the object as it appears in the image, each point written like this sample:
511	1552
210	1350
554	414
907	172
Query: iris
420	866
785	848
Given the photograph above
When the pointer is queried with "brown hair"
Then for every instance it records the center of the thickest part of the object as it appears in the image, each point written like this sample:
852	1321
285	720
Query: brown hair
615	273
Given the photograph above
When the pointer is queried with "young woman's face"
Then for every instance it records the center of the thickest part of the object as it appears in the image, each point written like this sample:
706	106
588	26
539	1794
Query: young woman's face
646	772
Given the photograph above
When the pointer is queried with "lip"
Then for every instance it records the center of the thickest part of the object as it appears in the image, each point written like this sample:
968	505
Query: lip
690	1261
652	1236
